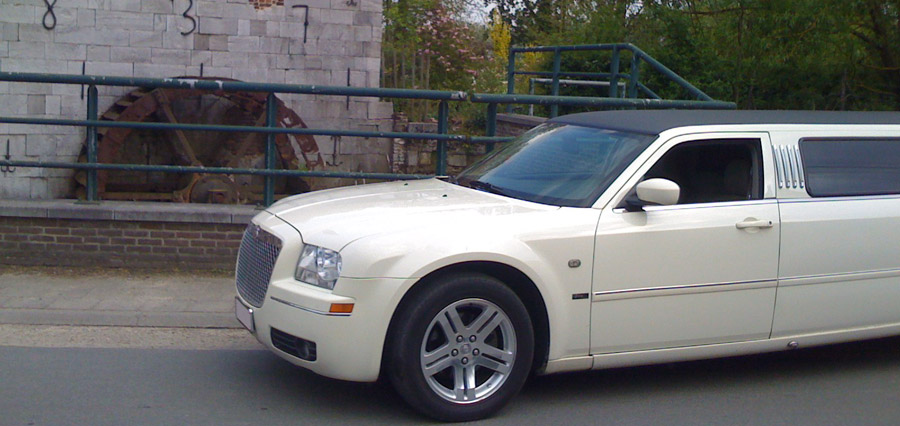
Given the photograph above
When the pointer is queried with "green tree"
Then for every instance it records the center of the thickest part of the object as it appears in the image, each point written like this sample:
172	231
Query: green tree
803	54
428	45
875	24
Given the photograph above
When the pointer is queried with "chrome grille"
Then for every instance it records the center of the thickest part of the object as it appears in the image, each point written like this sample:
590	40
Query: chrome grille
256	259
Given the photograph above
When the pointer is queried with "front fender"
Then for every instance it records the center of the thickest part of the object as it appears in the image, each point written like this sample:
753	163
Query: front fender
542	255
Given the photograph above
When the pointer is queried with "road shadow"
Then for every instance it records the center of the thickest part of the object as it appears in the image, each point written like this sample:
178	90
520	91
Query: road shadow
828	360
310	396
328	400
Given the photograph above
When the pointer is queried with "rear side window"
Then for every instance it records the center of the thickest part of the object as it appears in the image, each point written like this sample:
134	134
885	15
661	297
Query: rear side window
842	167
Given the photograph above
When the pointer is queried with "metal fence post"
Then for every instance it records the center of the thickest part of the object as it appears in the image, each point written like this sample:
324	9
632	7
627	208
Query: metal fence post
531	92
557	58
443	117
511	77
614	71
271	121
635	75
491	127
91	184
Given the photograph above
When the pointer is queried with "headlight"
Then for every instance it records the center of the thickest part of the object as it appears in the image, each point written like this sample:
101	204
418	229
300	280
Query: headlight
318	266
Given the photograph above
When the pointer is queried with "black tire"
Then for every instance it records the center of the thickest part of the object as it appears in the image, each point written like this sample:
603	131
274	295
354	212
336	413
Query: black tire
495	354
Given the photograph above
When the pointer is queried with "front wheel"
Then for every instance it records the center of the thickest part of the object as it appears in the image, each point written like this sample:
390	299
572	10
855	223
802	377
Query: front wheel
462	348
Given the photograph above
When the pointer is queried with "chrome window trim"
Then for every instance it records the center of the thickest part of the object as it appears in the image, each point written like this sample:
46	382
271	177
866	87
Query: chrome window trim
715	204
841	198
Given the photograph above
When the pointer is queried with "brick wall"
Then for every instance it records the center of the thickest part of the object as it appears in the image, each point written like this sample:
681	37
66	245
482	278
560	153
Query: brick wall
121	234
162	245
250	40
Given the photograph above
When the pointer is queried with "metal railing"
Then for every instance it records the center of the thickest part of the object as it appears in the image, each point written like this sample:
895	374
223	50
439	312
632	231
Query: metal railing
633	85
565	82
271	129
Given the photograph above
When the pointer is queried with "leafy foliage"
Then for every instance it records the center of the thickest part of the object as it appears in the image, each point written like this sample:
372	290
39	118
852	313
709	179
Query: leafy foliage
778	54
427	45
772	54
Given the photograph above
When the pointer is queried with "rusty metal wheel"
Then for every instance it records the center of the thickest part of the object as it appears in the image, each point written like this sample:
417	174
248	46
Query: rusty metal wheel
196	148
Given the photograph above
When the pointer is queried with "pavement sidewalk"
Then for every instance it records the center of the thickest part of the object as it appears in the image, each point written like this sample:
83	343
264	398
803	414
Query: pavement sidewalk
116	297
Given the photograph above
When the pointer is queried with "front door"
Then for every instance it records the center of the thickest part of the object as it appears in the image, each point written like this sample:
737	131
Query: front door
702	271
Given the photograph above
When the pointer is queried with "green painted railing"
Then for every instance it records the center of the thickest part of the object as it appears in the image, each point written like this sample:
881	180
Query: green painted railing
633	86
92	122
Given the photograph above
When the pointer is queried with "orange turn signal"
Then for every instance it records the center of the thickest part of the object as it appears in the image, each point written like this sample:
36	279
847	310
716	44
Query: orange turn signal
341	308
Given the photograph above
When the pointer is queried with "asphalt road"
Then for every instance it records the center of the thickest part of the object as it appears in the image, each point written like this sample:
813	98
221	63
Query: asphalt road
849	384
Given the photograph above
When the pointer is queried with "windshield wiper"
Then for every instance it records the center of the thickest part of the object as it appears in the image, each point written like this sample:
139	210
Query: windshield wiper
488	187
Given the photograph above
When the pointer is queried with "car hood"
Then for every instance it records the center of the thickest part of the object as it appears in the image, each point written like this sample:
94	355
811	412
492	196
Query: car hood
336	217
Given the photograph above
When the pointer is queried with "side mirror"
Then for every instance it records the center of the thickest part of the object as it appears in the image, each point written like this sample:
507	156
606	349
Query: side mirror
656	191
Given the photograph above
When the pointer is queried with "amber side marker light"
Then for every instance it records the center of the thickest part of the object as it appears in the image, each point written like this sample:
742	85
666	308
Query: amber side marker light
341	308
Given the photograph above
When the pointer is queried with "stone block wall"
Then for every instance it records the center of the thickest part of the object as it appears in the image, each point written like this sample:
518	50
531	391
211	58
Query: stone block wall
420	156
516	124
250	40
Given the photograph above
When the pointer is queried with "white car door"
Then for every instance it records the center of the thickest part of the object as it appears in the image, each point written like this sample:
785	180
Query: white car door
702	271
840	257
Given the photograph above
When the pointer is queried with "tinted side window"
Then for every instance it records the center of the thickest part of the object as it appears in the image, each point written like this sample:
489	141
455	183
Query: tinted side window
851	167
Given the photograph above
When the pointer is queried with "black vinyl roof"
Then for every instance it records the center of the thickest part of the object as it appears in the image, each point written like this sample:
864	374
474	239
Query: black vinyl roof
654	122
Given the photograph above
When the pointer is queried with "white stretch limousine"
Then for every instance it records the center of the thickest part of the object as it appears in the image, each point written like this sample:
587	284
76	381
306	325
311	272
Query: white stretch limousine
595	240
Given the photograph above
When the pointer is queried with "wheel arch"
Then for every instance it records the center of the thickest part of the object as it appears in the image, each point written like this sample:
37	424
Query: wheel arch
515	279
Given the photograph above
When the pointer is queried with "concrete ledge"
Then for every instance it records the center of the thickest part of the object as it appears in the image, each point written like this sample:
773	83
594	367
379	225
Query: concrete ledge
130	211
526	120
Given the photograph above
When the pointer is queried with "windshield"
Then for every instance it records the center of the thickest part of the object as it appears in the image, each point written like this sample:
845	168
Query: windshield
557	164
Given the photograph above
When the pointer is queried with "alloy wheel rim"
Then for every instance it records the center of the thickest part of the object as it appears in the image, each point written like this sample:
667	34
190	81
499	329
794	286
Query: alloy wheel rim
468	351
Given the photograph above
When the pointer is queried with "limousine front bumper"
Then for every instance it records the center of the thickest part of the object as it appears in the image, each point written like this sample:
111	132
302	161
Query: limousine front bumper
307	325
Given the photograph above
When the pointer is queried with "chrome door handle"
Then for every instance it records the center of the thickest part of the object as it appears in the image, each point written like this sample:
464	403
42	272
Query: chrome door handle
754	224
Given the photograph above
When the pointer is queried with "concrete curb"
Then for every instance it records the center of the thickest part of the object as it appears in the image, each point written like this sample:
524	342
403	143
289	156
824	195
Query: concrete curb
118	318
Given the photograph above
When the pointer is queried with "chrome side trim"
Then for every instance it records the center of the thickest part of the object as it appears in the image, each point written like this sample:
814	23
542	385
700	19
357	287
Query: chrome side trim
783	166
602	296
789	153
800	167
833	278
788	167
304	308
779	168
788	170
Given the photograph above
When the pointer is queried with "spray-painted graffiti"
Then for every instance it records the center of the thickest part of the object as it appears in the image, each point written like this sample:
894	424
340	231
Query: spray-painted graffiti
263	4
